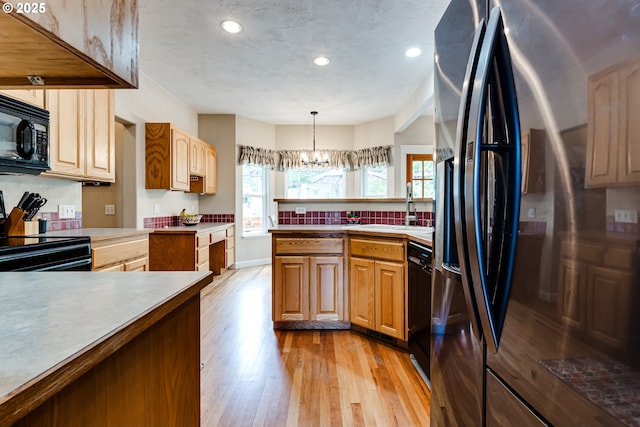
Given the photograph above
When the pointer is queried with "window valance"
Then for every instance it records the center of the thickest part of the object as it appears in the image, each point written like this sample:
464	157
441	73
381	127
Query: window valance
370	157
320	159
323	159
257	157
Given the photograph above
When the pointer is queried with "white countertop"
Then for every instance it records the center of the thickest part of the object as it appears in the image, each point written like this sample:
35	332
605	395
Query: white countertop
97	233
209	226
48	319
411	232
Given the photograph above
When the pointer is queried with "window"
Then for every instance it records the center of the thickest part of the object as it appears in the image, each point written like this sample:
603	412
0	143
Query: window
254	199
420	173
315	184
374	181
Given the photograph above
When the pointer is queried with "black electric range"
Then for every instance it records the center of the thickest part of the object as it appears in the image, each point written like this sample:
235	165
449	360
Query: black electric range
45	253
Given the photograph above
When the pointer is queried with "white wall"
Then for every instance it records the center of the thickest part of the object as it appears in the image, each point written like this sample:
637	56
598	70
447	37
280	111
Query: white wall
56	191
152	103
253	250
219	130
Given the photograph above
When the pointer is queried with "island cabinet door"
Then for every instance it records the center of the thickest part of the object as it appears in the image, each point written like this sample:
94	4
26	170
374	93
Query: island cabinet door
291	288
325	286
361	292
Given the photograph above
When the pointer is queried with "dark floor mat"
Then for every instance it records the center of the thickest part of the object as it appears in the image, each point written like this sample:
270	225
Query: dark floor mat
604	381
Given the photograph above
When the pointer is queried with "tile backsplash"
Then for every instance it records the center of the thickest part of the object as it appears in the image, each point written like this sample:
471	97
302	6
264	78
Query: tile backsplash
174	220
340	217
54	223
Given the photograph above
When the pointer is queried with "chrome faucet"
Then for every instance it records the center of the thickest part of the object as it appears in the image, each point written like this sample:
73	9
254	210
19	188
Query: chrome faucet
409	216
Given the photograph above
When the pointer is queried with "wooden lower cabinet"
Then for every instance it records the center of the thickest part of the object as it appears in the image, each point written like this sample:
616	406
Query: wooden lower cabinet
308	282
376	292
204	249
291	296
377	285
596	290
127	253
309	288
389	298
362	292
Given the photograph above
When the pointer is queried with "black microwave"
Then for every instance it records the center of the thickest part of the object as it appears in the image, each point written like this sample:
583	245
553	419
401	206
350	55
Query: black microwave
24	138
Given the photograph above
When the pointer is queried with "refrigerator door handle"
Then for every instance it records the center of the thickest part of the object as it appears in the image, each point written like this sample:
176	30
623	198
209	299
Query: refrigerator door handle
492	175
458	182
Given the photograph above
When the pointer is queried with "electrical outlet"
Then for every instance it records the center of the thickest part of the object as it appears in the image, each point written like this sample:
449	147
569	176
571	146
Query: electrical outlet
532	213
156	208
67	211
628	216
301	210
109	209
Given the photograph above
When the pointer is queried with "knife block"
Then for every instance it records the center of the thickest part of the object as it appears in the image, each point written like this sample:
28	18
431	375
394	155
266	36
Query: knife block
15	225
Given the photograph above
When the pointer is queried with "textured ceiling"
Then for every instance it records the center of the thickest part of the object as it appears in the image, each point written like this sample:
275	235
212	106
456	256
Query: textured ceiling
266	72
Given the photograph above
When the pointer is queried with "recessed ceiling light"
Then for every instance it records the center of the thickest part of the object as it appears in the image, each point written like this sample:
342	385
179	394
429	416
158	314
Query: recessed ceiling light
321	61
412	52
231	26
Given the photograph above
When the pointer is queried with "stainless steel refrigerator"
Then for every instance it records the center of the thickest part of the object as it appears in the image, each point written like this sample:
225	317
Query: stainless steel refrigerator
536	289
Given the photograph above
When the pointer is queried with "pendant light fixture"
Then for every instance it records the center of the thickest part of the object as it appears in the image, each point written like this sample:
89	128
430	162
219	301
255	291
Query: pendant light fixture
316	157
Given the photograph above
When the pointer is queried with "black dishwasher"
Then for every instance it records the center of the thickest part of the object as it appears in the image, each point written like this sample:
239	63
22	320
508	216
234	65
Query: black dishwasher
420	261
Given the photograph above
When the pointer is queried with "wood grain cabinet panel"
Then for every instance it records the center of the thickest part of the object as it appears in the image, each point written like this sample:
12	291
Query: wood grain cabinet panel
596	290
389	298
100	161
90	44
571	305
613	156
210	180
67	112
291	296
629	153
197	157
130	253
362	292
30	96
308	282
81	134
533	164
326	288
178	161
177	250
608	305
377	285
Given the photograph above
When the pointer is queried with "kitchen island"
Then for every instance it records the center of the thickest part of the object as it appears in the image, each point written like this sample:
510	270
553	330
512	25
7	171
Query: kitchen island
80	348
343	277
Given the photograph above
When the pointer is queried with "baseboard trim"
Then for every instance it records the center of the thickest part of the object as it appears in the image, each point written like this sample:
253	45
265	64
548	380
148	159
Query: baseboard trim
251	263
311	324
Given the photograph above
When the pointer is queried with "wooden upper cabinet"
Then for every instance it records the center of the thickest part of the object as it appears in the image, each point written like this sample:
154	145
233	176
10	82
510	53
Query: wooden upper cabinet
179	160
211	169
71	44
30	96
197	157
81	134
629	152
100	143
613	156
533	164
67	111
167	157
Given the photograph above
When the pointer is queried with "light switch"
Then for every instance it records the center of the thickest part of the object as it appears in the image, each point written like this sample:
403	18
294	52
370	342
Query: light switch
532	213
301	210
156	208
109	209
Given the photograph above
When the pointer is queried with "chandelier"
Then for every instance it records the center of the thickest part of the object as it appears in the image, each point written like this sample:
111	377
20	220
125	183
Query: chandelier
317	157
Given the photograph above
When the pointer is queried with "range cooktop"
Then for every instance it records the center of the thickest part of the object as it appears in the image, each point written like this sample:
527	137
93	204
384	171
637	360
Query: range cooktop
45	253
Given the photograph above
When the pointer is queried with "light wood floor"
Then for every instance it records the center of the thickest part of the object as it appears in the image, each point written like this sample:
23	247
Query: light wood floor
255	376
